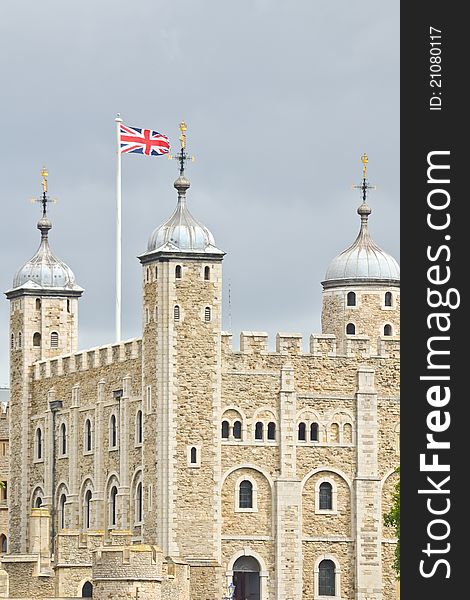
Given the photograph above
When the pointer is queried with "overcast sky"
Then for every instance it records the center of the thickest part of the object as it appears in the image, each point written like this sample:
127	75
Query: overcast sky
280	98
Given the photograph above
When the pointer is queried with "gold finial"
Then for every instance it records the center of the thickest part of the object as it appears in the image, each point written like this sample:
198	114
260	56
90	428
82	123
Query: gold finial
44	175
183	128
365	160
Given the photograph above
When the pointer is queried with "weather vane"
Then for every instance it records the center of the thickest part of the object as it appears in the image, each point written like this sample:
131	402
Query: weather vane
364	187
182	157
44	199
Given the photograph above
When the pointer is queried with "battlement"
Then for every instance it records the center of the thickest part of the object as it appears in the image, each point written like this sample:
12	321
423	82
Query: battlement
86	360
320	345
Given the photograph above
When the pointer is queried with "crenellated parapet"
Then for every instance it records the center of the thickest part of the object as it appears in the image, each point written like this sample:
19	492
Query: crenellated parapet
93	358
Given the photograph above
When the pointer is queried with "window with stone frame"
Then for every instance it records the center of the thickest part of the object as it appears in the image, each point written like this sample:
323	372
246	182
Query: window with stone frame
259	427
302	432
39	450
88	437
237	430
225	430
138	428
245	494
325	496
63	440
271	431
351	299
350	329
113	437
388	299
113	506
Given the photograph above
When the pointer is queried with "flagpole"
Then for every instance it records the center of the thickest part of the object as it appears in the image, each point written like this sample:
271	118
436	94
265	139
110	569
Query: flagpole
118	121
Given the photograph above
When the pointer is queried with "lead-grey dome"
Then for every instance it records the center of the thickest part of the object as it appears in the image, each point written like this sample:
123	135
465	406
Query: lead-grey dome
364	260
44	270
182	232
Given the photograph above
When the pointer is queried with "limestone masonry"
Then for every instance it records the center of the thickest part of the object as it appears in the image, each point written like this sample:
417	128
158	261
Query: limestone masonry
172	465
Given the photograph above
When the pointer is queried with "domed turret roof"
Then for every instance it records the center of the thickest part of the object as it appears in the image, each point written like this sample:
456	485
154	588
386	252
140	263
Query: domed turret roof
182	232
363	261
44	270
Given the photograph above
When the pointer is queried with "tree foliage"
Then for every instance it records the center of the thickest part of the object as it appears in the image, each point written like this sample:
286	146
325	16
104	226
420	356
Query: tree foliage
392	519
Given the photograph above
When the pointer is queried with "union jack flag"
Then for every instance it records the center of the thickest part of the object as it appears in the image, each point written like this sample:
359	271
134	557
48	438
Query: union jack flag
142	141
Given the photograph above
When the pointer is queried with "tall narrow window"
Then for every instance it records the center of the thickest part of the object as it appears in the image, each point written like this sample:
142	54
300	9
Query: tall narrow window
237	430
138	503
193	455
271	431
3	544
54	339
207	273
36	339
225	430
148	274
351	299
88	439
388	298
62	501
113	432
138	427
176	313
112	505
178	272
20	339
39	443
63	439
301	435
207	314
326	496
68	305
314	432
259	431
351	329
156	272
87	510
388	330
326	578
38	303
245	494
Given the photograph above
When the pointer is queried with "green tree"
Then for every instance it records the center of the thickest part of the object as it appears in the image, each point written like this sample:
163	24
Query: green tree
392	519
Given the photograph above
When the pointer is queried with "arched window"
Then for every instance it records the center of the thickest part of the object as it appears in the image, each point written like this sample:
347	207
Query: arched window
87	590
87	510
39	449
36	339
271	431
138	503
326	496
112	432
3	543
138	427
259	431
178	272
314	432
207	273
38	303
302	432
334	433
207	314
237	430
193	455
351	299
245	494
62	501
350	329
63	439
54	339
326	578
88	436
388	298
176	313
388	329
225	430
113	505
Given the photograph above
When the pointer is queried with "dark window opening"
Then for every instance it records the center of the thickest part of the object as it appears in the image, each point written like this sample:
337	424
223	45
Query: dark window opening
351	299
113	432
326	496
388	330
176	313
259	431
237	430
87	590
246	494
302	432
38	303
36	339
388	298
193	455
38	443
225	430
314	432
63	439
62	502
178	272
326	578
350	329
207	273
88	440
271	431
139	427
112	515
88	509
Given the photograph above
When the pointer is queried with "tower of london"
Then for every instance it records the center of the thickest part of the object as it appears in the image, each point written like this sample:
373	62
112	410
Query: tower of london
185	465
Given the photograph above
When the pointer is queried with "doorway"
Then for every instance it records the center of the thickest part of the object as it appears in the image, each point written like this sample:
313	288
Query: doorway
246	578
